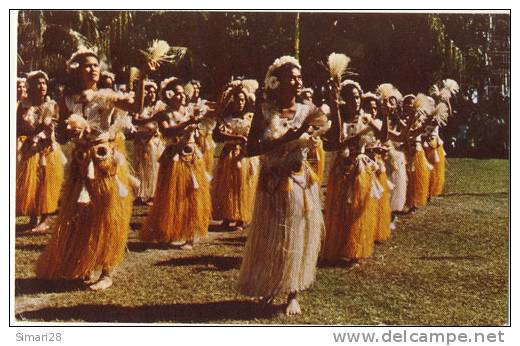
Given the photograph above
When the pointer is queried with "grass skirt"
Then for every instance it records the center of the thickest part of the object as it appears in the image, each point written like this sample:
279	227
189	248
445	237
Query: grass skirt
182	204
39	179
316	159
398	176
147	152
384	212
207	146
91	230
282	248
418	180
436	157
350	213
234	185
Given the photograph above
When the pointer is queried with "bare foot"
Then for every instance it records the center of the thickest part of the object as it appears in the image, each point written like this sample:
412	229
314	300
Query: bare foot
43	227
90	279
293	308
103	283
187	246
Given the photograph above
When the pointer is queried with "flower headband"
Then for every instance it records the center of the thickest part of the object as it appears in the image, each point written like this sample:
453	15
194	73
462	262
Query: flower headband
82	51
150	83
36	74
272	82
351	82
369	96
168	94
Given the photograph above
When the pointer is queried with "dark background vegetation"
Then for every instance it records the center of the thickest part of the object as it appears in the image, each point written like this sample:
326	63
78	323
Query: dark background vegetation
412	51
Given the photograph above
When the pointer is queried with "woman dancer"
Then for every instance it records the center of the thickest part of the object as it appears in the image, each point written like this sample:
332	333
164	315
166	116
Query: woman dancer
353	188
148	144
236	175
182	204
91	231
41	161
283	245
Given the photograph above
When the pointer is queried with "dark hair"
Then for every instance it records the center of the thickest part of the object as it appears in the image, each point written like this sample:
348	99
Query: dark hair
347	90
172	84
228	108
73	83
284	69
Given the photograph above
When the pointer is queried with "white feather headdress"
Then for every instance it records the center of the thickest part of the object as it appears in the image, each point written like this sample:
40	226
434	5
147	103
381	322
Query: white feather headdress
73	63
150	83
440	114
449	88
271	82
424	106
351	82
164	94
370	96
36	74
247	86
385	91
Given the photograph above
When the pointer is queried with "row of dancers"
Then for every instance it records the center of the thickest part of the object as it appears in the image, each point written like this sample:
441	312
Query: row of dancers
387	158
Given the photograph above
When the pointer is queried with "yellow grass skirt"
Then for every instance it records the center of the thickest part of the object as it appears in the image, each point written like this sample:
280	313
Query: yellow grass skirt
418	180
234	185
350	213
182	204
38	181
207	146
91	230
436	157
384	211
316	159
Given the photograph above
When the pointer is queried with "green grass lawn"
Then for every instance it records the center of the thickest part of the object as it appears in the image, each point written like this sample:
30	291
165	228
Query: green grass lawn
445	265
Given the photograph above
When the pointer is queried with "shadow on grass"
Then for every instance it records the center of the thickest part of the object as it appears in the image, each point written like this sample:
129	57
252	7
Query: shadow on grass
219	263
30	247
236	241
180	313
141	246
35	286
449	258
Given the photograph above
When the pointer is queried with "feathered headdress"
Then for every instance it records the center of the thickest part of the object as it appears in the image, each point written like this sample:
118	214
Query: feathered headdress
271	82
424	106
449	88
351	82
37	74
82	51
21	80
385	91
167	94
150	83
369	96
246	86
440	114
